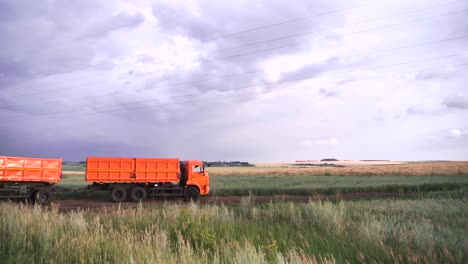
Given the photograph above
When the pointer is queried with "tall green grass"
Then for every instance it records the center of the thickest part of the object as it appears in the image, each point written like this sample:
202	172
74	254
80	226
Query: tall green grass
429	230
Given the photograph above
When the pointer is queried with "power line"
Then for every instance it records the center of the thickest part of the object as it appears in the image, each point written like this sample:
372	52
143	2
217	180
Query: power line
330	28
243	31
246	87
293	44
287	22
343	57
331	37
355	55
293	80
252	93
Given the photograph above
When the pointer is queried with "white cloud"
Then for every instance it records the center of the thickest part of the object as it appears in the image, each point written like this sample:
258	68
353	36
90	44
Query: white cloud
331	141
455	132
307	142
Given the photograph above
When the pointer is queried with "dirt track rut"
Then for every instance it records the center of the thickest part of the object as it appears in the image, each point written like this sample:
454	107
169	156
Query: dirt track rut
92	205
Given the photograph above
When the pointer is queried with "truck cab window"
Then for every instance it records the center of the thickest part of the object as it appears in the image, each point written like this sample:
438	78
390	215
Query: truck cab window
198	168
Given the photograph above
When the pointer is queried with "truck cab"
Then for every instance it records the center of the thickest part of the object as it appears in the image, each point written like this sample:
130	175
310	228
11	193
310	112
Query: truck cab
194	178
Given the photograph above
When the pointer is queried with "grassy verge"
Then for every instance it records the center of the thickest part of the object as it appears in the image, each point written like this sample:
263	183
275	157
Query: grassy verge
432	230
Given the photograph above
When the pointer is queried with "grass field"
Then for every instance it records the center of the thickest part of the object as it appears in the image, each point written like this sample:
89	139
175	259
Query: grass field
222	185
310	185
427	230
280	178
429	227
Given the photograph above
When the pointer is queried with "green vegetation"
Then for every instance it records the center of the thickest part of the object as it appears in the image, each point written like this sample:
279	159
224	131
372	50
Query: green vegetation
311	185
73	181
429	230
73	166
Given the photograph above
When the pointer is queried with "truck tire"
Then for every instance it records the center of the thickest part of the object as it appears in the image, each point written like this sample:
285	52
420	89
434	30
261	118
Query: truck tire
191	193
137	194
42	196
118	194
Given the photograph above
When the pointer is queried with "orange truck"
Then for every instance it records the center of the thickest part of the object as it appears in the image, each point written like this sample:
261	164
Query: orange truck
31	178
137	178
131	179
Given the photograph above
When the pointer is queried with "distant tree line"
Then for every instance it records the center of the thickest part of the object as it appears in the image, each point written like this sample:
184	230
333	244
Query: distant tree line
228	164
303	165
327	159
330	159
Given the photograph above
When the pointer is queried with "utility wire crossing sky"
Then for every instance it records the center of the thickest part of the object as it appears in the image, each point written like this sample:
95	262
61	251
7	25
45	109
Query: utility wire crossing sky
241	80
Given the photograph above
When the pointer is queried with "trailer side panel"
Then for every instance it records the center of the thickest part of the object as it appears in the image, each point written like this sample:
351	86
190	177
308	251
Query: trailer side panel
22	169
103	169
157	170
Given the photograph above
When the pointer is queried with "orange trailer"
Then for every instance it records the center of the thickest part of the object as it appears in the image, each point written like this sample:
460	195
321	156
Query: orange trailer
29	177
138	178
135	178
132	170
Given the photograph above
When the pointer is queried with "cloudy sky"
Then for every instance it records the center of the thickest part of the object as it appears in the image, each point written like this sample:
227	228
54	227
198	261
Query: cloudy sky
265	80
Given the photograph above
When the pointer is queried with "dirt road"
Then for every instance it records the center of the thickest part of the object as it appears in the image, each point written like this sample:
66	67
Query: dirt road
102	205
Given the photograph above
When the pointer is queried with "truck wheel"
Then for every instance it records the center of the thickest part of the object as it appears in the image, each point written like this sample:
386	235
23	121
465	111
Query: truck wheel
137	194
118	194
191	193
42	196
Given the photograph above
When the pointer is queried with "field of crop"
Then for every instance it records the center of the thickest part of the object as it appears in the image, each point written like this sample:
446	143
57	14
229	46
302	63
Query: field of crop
433	229
297	184
284	179
354	169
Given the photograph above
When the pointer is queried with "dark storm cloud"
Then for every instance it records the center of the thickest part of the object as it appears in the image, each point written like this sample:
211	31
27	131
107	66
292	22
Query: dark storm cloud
424	111
11	106
210	21
306	71
315	69
22	144
220	76
11	71
328	93
51	38
115	22
231	70
435	75
9	142
456	102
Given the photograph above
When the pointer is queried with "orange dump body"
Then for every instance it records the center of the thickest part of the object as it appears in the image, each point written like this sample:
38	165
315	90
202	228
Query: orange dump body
20	169
108	170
